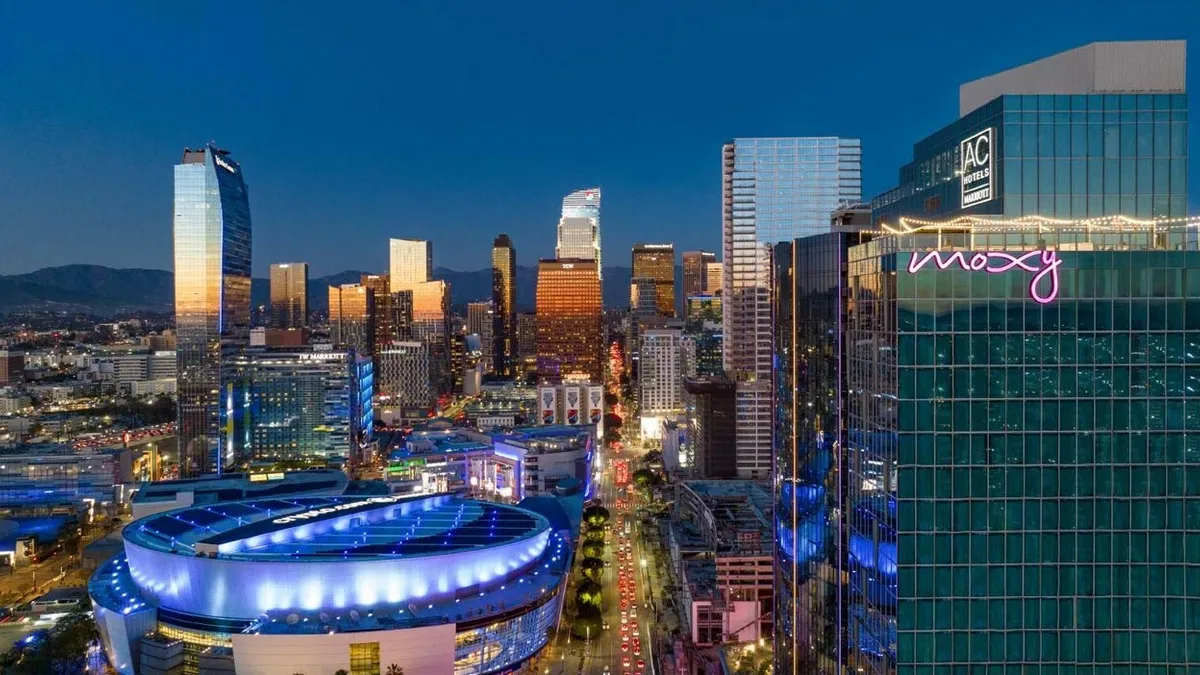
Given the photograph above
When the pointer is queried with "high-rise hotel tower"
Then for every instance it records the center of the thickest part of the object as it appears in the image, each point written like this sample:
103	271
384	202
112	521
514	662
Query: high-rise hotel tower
212	299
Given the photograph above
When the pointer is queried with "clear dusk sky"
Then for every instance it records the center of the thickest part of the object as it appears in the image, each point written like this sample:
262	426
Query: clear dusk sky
457	120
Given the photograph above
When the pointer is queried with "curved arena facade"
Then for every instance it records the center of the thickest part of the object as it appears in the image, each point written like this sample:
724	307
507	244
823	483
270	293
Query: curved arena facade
434	584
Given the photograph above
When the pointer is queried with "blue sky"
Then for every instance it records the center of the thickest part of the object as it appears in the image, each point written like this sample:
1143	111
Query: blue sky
355	122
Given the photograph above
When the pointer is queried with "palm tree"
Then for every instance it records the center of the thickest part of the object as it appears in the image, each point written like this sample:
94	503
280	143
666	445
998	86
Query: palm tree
394	670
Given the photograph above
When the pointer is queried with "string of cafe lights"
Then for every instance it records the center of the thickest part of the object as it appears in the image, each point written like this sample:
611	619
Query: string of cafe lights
907	225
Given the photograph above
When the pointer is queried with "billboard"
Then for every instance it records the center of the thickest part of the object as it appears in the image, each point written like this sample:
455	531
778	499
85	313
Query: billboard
595	403
574	401
548	402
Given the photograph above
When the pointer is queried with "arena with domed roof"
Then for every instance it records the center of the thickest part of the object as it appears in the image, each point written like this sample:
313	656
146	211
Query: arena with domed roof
434	584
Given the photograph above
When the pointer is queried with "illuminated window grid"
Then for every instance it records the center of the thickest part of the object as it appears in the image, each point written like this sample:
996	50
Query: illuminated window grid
194	642
364	658
1044	459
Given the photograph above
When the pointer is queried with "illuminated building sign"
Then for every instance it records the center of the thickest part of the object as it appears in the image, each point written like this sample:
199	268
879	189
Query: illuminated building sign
975	156
223	164
336	508
1042	264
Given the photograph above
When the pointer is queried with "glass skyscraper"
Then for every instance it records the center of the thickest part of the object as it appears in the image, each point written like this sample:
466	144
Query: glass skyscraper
773	190
289	295
1014	475
302	405
410	262
1021	462
504	305
212	299
1111	144
579	227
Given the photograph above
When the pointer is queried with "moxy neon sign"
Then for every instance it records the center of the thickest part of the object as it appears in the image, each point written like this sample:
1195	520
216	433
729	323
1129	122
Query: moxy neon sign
1042	264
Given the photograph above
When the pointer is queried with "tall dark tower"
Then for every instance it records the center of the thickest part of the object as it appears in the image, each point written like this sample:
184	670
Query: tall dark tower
504	300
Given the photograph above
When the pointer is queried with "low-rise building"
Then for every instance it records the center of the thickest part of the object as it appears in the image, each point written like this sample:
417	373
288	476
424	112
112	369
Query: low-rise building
47	475
721	540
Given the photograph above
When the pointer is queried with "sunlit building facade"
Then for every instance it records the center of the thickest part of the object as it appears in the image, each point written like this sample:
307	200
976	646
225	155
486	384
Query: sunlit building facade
773	190
579	227
569	320
504	304
212	297
352	317
410	262
715	273
657	262
289	295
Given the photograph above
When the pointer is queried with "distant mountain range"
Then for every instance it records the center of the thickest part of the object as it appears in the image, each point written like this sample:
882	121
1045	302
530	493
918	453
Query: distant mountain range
104	290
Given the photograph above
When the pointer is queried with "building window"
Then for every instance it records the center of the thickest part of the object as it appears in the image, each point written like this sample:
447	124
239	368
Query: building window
364	658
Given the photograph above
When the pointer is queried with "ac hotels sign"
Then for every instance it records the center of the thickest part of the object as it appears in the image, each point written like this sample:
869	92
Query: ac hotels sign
976	168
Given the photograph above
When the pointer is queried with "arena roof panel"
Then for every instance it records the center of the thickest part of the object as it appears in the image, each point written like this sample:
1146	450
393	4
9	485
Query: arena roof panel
325	527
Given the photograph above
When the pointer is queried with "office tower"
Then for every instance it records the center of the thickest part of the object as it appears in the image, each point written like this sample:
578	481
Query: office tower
710	407
392	311
289	295
527	334
504	302
809	299
773	190
569	330
579	227
212	297
403	375
410	263
352	317
301	404
431	324
480	321
664	360
695	272
1027	517
657	262
412	270
714	274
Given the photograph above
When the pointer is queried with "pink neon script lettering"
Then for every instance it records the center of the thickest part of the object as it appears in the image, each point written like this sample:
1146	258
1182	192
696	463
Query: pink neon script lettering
1042	264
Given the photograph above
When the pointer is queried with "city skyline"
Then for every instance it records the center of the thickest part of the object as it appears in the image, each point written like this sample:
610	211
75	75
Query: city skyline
365	189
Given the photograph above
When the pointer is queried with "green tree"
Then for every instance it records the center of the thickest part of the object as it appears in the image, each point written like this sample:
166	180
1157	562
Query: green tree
613	421
646	478
593	569
587	623
596	516
60	651
589	593
594	537
592	550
